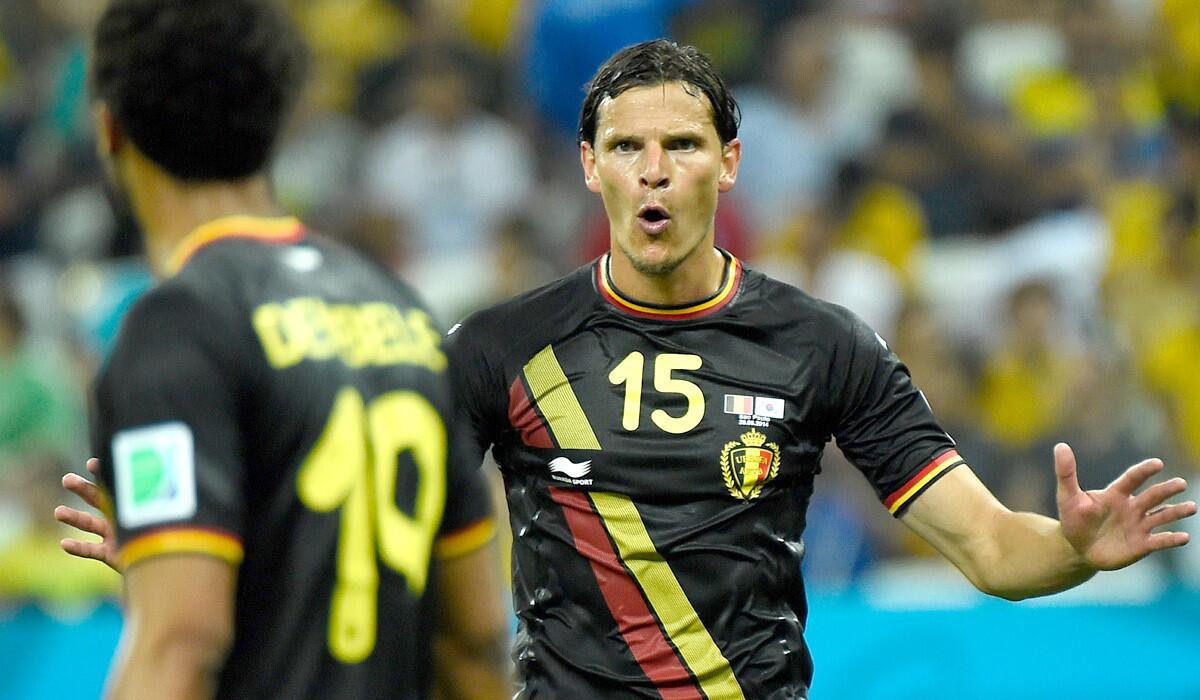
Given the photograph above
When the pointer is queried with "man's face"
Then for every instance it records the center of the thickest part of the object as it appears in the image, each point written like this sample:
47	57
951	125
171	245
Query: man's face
658	164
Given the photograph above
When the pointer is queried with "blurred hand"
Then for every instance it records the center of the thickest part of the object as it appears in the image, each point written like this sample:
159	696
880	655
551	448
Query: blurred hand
105	550
1113	528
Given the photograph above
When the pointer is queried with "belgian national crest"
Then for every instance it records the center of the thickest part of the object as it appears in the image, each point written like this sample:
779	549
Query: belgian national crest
748	466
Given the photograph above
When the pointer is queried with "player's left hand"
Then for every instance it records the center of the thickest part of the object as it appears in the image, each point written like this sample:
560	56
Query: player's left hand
1114	527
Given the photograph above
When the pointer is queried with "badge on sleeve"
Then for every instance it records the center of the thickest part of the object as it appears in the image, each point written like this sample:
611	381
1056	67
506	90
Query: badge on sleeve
155	472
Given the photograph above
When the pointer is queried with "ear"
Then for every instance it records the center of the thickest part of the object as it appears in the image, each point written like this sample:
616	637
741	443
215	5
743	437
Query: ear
731	158
109	137
587	158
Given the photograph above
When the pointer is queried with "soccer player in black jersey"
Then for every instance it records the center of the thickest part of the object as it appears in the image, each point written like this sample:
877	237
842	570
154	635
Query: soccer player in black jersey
294	512
659	416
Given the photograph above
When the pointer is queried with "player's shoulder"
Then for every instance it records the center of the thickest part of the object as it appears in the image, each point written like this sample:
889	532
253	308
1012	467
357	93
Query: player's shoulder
531	313
796	306
241	272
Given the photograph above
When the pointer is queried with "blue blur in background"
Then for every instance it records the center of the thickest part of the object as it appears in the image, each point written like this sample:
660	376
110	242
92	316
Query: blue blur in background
993	650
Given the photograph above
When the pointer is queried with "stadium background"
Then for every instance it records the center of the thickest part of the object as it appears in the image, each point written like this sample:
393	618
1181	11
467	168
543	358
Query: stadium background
1006	189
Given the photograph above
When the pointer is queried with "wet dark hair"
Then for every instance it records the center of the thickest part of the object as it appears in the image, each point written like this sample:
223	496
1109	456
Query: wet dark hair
201	87
654	63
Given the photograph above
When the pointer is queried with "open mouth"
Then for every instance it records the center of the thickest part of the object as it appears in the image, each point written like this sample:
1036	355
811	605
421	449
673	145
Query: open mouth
653	218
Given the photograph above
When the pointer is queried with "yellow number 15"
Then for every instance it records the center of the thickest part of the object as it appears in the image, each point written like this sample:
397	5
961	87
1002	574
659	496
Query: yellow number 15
629	373
353	466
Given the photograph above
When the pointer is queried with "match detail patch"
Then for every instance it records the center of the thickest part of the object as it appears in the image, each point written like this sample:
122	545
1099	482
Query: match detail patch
155	472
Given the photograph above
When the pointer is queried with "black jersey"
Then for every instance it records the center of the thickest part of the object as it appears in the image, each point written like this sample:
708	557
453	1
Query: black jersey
658	463
280	403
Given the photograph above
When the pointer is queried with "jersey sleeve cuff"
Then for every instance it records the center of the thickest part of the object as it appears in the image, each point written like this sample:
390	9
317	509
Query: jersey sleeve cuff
182	540
931	472
466	539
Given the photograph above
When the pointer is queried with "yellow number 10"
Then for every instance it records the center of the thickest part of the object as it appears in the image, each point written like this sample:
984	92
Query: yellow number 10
353	466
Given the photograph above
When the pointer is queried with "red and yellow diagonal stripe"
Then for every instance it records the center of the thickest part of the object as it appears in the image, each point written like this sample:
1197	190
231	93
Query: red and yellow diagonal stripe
182	540
524	418
924	477
557	402
664	633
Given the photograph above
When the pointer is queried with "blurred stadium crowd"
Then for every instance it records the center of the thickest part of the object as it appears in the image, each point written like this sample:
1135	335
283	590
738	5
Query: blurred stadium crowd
1007	190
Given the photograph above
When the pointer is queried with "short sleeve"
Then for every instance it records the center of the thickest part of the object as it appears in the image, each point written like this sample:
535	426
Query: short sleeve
883	424
472	389
468	521
164	423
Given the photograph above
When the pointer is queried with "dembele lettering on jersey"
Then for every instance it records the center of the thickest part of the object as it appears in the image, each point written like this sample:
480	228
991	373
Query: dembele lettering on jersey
376	333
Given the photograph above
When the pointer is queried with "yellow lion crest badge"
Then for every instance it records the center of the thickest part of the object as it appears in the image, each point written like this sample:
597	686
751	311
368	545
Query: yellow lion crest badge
748	466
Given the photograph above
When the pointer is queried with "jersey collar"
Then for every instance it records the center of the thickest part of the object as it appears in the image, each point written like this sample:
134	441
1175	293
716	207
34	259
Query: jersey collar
283	229
730	281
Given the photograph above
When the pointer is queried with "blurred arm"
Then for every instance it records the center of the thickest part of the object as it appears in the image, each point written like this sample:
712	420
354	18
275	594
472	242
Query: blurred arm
178	628
471	644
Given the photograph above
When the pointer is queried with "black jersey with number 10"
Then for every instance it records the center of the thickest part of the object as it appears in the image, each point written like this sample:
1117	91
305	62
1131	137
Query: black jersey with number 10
280	403
658	463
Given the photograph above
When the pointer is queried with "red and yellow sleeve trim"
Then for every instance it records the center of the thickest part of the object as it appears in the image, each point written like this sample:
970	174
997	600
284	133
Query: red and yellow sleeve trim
283	229
923	478
465	540
733	277
216	543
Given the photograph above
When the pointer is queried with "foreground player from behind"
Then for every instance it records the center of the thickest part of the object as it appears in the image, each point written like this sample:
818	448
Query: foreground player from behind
659	417
292	507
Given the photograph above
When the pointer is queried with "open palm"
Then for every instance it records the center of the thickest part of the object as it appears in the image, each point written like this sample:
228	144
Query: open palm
106	549
1113	527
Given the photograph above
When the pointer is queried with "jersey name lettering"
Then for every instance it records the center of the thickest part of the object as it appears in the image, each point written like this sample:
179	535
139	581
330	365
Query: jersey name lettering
376	333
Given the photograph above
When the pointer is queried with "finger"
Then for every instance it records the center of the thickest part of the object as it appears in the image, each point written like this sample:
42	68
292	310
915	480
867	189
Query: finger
86	550
93	467
1169	514
1167	540
1158	494
1135	476
89	492
81	520
1065	470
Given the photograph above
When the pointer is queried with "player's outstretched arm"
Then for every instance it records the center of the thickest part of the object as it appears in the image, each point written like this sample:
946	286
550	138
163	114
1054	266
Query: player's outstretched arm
106	549
178	628
472	640
1022	555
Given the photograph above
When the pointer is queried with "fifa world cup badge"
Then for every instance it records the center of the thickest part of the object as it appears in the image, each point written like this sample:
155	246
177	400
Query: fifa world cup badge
748	465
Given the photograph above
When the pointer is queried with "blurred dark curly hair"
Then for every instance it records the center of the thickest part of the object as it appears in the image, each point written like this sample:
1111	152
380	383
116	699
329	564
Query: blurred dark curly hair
202	87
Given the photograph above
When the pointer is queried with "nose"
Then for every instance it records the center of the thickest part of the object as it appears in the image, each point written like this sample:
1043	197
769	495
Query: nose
654	168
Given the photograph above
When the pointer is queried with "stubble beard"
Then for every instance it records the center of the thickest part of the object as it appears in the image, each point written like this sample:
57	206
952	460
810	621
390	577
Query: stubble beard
657	269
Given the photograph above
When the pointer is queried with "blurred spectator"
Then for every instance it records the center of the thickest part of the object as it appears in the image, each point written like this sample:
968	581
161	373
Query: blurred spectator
569	39
1031	387
1010	39
812	253
447	172
40	410
791	138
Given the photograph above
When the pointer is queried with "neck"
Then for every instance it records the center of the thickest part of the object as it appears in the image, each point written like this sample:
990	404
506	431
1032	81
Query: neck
698	277
169	209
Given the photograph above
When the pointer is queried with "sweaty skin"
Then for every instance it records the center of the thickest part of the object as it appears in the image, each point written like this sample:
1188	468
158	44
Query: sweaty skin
656	149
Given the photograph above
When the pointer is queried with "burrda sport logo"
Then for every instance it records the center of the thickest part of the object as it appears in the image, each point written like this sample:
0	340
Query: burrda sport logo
564	469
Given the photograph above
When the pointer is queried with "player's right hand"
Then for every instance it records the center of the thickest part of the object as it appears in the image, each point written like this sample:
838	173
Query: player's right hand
106	549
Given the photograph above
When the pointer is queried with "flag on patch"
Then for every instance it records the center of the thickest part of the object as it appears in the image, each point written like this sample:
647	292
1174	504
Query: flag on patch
768	408
739	405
